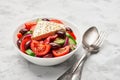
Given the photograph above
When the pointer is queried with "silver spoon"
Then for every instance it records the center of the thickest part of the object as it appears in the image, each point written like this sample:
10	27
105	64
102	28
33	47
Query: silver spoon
90	37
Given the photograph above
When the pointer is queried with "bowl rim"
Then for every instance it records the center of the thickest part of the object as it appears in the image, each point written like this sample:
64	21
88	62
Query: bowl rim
64	20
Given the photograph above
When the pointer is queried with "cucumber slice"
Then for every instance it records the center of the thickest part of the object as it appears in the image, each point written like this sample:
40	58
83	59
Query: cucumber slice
59	41
72	47
29	32
68	35
30	52
71	39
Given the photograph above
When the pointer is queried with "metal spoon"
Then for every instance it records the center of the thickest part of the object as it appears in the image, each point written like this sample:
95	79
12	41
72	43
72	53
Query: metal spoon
91	46
89	38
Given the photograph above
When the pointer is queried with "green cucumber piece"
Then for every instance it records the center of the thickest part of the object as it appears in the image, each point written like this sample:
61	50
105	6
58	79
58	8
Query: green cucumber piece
29	32
71	39
72	47
30	52
59	41
68	35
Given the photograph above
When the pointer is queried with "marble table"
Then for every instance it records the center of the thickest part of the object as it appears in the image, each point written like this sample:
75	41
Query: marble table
104	14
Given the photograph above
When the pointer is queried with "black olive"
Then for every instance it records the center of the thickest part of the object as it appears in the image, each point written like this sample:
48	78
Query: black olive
45	19
23	31
18	43
61	33
55	46
69	29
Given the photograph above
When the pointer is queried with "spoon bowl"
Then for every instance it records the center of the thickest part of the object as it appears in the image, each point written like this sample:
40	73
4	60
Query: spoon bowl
90	37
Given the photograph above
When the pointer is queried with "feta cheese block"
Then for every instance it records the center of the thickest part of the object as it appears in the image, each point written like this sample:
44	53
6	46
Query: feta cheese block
44	29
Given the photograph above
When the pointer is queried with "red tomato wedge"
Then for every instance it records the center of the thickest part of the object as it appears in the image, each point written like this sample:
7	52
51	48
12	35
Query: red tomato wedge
72	34
22	45
50	38
32	28
24	40
40	49
29	25
56	21
19	35
61	51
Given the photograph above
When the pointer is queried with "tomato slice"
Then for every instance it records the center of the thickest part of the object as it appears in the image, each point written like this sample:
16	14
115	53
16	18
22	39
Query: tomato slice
29	25
32	28
24	40
19	35
72	34
39	48
22	45
56	21
50	38
61	51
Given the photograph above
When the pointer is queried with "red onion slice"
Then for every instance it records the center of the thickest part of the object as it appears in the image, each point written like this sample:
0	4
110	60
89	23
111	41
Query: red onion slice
66	41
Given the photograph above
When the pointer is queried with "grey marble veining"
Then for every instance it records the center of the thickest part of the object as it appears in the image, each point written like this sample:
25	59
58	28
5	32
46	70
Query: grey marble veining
105	14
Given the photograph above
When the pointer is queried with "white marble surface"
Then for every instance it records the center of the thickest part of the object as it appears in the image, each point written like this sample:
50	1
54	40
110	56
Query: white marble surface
84	13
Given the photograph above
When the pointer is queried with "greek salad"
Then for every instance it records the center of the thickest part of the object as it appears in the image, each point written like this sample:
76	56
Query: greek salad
46	38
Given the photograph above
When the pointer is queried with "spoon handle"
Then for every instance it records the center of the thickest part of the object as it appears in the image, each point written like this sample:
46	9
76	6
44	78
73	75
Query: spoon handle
75	67
70	72
78	72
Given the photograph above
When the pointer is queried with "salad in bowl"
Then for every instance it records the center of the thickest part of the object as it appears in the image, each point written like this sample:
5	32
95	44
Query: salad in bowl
46	38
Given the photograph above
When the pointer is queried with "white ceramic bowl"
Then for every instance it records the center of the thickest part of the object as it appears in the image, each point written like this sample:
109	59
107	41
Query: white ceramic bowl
49	61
